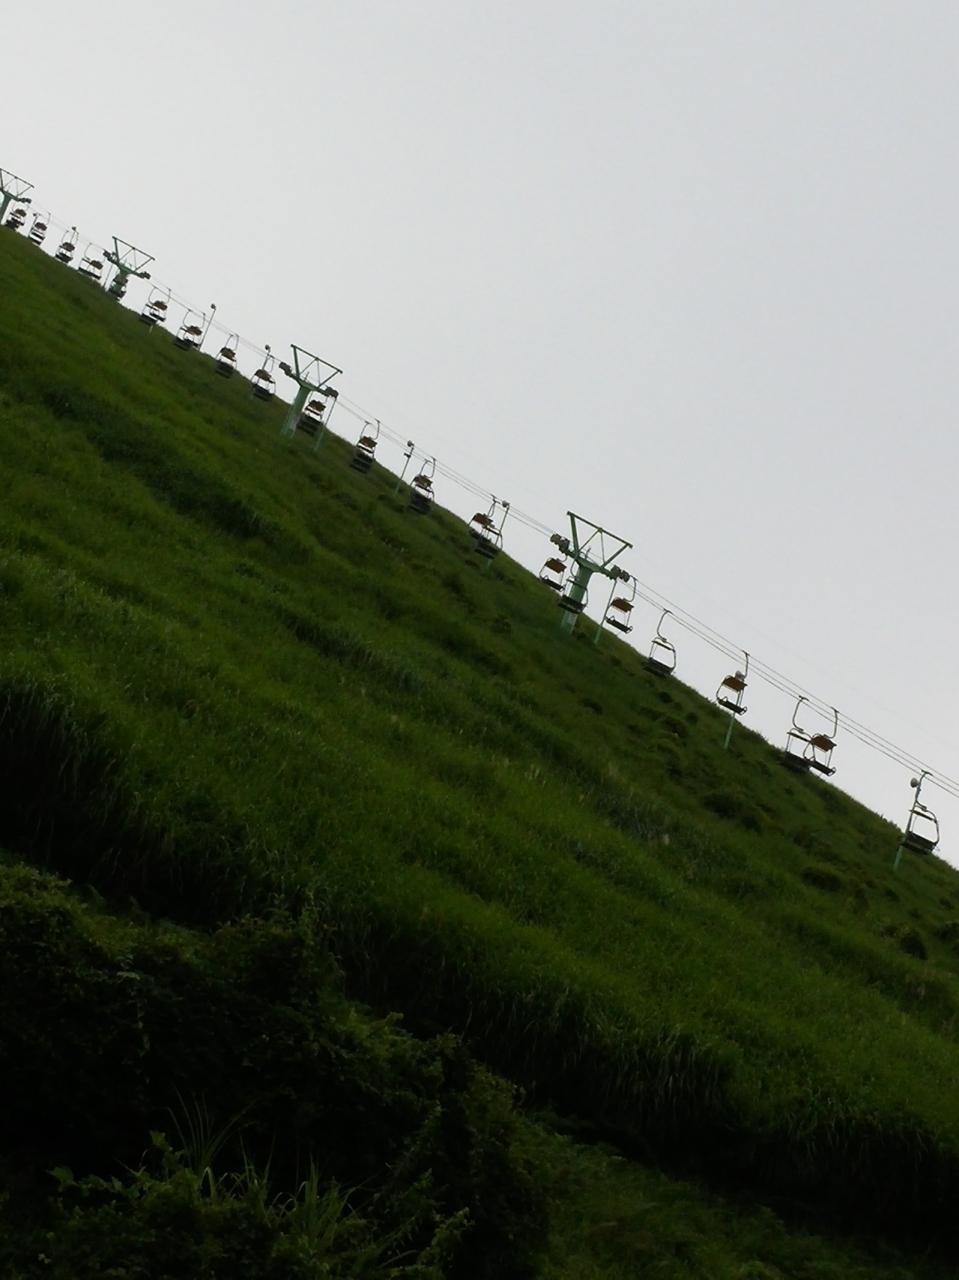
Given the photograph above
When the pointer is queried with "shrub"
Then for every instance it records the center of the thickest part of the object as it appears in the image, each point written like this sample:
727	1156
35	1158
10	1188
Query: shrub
907	938
101	1042
820	877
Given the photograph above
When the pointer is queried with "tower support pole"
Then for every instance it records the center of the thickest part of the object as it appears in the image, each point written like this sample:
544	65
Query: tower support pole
296	408
577	593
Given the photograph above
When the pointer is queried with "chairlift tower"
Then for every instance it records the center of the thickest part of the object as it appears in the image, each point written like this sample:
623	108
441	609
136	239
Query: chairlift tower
13	190
308	372
128	261
592	549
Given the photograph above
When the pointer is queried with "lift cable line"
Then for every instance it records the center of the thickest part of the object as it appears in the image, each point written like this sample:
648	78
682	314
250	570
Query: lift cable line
131	262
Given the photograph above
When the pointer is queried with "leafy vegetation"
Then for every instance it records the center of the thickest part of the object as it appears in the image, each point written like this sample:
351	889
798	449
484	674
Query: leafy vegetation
278	762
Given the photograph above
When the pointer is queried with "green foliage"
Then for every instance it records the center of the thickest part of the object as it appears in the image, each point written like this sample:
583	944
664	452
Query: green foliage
170	1221
250	1021
908	938
822	878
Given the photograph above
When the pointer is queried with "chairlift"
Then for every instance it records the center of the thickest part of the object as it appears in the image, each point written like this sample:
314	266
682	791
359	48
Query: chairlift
67	247
807	750
117	288
38	229
553	573
311	420
18	216
487	535
226	356
263	384
421	489
619	611
731	690
570	603
365	447
922	826
190	334
91	266
661	659
155	308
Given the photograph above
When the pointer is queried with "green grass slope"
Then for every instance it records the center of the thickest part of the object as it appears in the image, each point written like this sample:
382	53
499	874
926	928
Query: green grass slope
237	677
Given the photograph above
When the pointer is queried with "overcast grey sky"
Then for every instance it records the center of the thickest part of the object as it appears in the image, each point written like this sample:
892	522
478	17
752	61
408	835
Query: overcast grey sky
686	268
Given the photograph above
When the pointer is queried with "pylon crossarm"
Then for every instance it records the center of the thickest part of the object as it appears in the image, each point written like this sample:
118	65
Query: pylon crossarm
598	548
129	259
310	370
14	187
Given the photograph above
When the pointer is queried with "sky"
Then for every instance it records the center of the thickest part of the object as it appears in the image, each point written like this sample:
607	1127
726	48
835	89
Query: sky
688	269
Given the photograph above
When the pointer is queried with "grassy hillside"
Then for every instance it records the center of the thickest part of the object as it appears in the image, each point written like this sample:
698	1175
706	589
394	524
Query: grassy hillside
241	682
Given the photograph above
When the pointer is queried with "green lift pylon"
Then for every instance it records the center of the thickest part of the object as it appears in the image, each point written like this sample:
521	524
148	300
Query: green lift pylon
307	371
592	549
128	261
13	190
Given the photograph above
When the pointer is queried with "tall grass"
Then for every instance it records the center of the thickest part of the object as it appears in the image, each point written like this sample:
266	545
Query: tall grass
236	675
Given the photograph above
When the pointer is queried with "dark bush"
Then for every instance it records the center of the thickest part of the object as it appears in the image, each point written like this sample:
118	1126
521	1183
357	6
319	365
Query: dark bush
821	878
102	1043
907	938
735	807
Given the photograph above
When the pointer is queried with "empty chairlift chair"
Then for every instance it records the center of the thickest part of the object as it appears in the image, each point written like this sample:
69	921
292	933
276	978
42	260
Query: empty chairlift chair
574	597
619	611
190	333
486	534
226	356
155	309
806	749
661	659
91	266
38	229
553	573
17	217
263	384
364	450
421	489
67	247
730	692
311	419
922	826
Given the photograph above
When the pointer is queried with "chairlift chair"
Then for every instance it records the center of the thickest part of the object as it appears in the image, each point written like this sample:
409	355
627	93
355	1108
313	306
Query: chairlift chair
807	750
731	690
421	489
117	287
570	603
91	266
619	611
797	739
365	448
190	334
155	309
226	357
17	217
38	229
311	419
486	534
922	826
67	247
553	573
263	384
661	659
820	748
